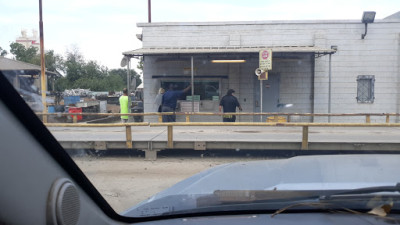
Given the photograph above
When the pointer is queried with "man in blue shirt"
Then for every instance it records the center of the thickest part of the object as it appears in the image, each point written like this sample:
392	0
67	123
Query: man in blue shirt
169	100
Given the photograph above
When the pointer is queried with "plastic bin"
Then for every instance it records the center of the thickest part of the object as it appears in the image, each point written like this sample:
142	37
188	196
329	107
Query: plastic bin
51	109
75	110
71	100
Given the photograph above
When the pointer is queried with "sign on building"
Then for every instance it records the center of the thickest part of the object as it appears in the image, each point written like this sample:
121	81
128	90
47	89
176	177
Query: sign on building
265	59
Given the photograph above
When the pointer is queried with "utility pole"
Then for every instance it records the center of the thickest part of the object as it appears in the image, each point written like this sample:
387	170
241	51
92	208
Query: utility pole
42	64
149	10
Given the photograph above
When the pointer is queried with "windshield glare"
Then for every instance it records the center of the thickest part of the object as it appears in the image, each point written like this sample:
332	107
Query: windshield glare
209	106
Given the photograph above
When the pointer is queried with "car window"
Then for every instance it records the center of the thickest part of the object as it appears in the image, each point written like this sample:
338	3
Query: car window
188	107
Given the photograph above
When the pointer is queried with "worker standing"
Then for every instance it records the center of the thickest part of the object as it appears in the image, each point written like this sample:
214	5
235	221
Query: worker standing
124	105
228	104
169	101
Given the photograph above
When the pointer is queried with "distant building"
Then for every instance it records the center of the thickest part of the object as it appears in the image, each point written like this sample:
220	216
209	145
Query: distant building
28	41
319	66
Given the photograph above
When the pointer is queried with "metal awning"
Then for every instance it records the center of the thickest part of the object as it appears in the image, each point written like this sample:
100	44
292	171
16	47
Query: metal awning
21	68
216	50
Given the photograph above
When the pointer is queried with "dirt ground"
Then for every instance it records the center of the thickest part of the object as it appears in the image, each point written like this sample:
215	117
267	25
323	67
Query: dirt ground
126	181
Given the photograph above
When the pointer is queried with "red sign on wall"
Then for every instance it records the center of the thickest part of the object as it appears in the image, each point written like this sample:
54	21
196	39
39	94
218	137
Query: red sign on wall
265	59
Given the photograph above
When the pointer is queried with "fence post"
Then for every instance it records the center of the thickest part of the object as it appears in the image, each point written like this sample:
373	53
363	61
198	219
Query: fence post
74	118
170	143
160	118
187	118
128	136
304	143
368	119
387	119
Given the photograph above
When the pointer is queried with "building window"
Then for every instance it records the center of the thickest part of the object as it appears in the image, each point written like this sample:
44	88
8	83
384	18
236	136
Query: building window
204	89
365	88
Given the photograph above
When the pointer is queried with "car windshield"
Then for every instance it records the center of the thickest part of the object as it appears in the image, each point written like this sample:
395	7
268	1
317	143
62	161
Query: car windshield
182	107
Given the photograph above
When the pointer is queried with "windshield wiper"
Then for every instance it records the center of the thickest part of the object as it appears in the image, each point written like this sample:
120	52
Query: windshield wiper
320	205
359	191
379	207
251	196
232	200
277	201
247	196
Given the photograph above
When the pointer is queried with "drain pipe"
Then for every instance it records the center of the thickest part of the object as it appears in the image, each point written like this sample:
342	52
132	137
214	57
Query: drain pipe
330	87
334	48
192	81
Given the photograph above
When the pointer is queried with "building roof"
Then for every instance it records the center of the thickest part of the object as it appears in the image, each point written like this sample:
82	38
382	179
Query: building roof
394	16
211	50
261	22
7	64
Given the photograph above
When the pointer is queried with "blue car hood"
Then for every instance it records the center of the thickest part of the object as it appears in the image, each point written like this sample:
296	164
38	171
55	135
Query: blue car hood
323	172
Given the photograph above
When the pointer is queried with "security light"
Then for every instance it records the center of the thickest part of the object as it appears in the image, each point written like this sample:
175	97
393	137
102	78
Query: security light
368	17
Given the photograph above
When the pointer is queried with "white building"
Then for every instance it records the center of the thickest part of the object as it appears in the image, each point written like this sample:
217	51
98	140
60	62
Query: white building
28	41
318	66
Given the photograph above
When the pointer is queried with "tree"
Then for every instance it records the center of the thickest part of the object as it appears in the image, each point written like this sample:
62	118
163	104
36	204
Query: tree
93	70
61	84
90	75
74	65
114	82
79	73
23	54
3	52
123	74
53	62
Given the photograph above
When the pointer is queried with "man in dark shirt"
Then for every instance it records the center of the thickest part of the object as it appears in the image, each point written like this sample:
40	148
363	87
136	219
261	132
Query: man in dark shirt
229	104
169	100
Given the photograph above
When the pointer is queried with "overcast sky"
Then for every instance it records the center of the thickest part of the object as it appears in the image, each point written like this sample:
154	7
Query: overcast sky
103	29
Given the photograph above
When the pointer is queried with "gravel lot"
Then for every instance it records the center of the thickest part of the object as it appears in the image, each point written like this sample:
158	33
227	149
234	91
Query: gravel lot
126	181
